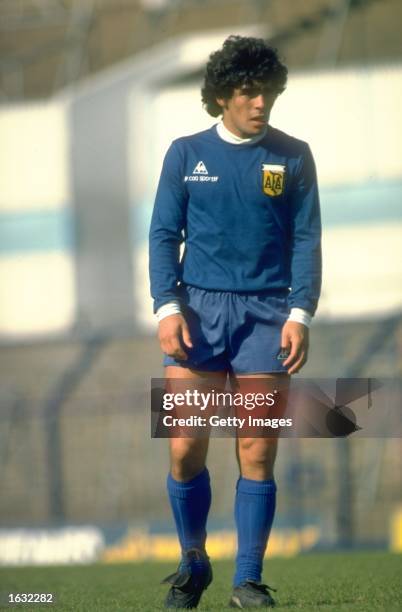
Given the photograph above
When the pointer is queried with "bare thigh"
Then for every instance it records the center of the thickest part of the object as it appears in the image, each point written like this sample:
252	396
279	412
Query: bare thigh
188	455
256	455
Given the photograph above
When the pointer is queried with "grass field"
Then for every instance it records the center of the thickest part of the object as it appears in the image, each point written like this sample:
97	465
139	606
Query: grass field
355	581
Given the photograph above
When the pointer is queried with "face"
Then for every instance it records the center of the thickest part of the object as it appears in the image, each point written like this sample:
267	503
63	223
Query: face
247	112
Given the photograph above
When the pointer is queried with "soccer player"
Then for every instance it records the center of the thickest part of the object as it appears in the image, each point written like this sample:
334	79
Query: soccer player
243	198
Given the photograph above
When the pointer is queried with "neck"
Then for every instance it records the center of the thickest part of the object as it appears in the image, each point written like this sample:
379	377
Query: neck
229	136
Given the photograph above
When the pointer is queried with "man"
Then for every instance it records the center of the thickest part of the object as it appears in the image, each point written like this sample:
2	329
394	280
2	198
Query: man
243	197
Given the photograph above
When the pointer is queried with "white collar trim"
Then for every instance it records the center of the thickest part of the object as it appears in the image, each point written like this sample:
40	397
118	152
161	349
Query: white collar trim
228	136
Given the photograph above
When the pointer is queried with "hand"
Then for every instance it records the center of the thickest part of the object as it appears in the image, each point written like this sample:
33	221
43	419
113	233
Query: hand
295	337
173	333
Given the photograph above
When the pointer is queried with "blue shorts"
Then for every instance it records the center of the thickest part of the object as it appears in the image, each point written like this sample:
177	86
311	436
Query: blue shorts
238	332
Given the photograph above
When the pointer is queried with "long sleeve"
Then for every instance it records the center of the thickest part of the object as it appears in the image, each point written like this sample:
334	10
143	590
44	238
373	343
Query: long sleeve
305	265
166	232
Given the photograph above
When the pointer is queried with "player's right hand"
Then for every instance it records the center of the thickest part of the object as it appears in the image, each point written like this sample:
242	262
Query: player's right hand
174	335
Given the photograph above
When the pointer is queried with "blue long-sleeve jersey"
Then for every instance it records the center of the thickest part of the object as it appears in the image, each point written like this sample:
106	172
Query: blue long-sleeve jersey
248	215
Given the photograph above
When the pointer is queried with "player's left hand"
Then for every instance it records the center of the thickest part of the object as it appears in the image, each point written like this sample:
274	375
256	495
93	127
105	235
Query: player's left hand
295	339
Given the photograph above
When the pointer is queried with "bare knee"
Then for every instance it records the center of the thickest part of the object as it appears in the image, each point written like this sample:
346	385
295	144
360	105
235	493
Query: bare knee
257	457
187	457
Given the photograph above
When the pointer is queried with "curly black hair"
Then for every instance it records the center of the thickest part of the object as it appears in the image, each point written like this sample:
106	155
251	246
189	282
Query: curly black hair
241	61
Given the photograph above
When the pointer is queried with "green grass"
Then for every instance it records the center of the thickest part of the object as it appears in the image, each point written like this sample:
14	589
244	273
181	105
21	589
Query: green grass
355	581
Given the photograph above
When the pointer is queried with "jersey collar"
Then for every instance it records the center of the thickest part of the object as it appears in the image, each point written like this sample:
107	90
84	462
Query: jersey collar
228	136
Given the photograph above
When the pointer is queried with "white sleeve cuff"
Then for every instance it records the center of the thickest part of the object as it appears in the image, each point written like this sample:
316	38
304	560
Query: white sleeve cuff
168	309
299	315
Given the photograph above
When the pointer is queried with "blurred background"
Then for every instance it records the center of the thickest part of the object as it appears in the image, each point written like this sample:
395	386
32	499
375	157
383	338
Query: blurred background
92	92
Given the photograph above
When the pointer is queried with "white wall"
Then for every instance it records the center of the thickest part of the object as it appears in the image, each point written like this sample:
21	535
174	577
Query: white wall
36	281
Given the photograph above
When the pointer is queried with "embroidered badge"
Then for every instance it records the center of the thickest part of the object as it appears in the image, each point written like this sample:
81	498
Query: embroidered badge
273	179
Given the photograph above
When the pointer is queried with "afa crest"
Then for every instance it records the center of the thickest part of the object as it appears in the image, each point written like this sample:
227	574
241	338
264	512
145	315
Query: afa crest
273	179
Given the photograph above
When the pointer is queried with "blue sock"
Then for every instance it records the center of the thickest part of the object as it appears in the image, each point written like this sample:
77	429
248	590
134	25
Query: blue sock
254	514
190	502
